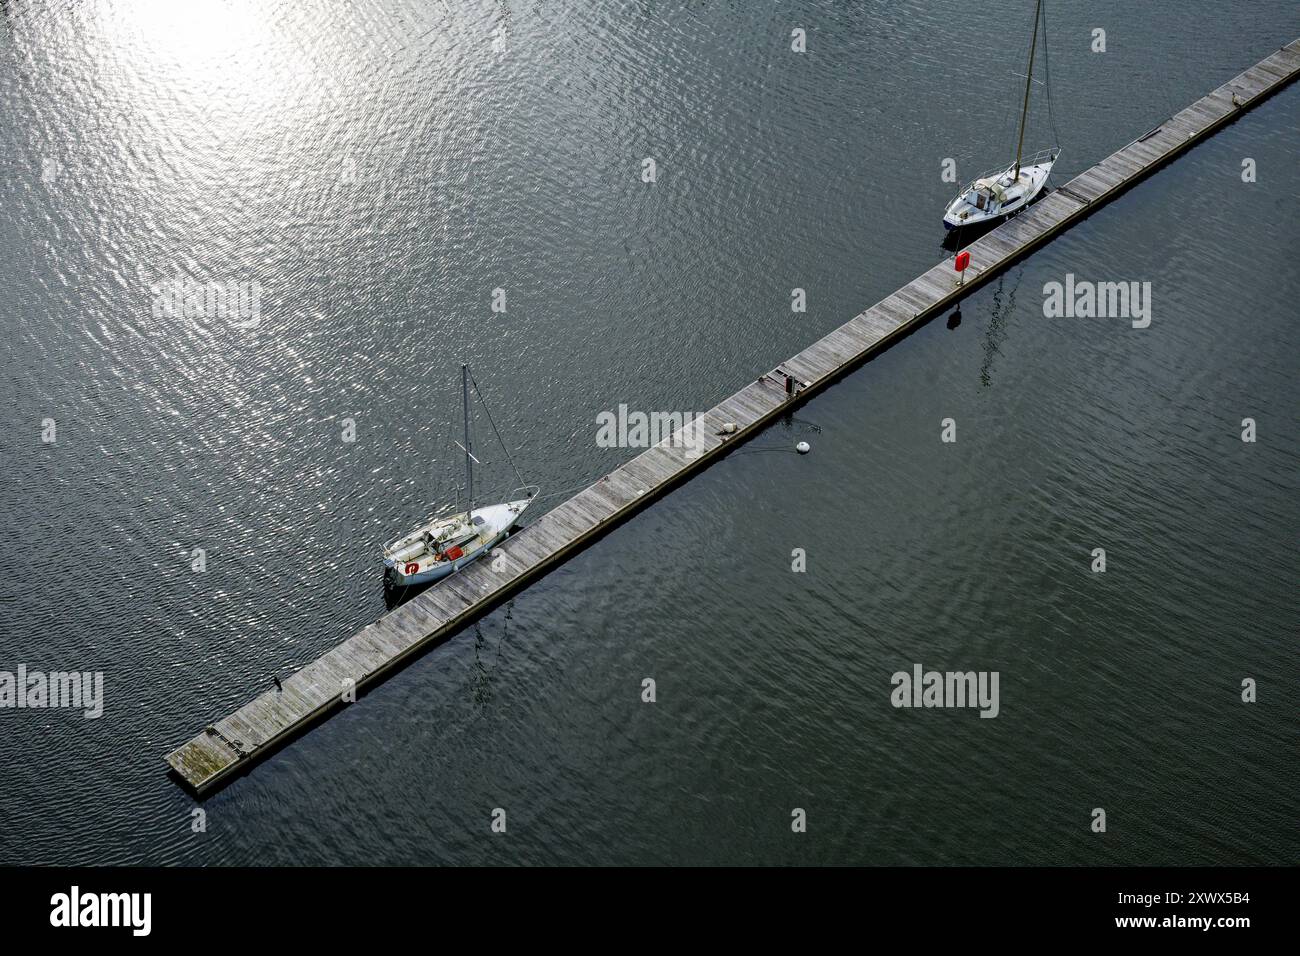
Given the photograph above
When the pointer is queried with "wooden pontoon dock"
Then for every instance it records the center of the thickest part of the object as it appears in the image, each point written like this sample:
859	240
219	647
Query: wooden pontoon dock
233	743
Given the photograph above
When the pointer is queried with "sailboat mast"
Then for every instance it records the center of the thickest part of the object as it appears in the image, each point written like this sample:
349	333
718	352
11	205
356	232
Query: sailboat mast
469	458
1029	79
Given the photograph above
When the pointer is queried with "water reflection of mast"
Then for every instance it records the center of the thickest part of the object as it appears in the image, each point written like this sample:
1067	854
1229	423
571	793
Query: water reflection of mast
996	331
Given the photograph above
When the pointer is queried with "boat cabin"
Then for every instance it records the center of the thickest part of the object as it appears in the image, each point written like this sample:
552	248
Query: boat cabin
990	195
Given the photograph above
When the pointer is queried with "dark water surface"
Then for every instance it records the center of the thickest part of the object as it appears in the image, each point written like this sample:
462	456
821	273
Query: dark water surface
380	169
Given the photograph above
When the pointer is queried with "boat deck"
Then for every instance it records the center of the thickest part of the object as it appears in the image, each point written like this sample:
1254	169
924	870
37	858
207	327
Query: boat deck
235	742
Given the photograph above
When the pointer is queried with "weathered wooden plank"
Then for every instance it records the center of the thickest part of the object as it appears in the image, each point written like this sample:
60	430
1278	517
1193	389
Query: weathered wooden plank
1057	207
530	547
649	472
1021	230
801	368
927	290
278	712
1257	80
877	322
461	586
1152	153
871	331
423	614
884	315
912	299
1215	106
602	506
481	579
753	407
1089	185
890	311
384	639
570	522
369	653
1122	167
1142	154
762	398
582	512
845	343
825	353
1116	168
942	275
746	410
994	248
240	730
627	485
733	410
1221	102
1170	138
1196	119
852	335
705	432
1204	113
609	496
815	360
1274	71
1193	122
839	349
730	410
1179	126
1052	208
831	358
202	758
434	608
505	568
592	506
713	423
1284	60
1108	176
303	685
327	669
773	386
682	459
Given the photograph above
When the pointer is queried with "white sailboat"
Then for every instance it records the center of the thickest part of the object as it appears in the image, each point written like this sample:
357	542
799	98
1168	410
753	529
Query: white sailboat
1004	192
445	544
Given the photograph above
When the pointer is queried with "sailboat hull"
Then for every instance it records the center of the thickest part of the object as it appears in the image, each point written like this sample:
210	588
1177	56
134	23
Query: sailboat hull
993	198
443	568
461	539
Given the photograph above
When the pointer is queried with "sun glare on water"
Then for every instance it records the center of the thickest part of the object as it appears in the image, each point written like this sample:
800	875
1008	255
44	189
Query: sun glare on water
226	54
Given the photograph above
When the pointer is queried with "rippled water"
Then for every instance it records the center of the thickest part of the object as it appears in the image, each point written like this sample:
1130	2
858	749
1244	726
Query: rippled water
380	169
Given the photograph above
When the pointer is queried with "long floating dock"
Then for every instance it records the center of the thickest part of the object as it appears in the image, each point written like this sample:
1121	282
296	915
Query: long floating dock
232	744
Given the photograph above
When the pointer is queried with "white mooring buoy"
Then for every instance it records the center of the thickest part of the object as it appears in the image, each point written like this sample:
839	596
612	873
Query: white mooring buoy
803	448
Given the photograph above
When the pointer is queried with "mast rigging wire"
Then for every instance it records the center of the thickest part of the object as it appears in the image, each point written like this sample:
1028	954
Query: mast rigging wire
488	413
